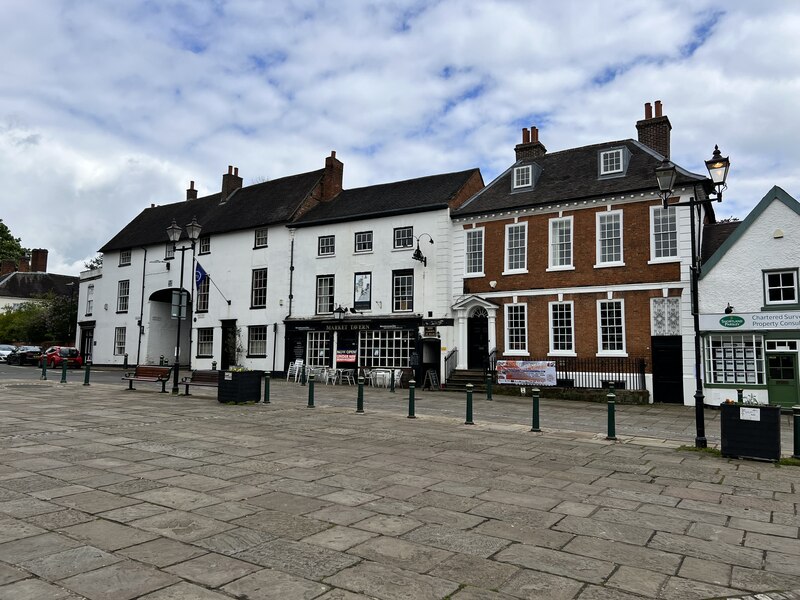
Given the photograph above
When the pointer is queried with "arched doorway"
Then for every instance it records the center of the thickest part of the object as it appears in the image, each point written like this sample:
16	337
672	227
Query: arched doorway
477	338
162	329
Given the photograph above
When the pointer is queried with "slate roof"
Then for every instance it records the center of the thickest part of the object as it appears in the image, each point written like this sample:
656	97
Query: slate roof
412	195
570	175
35	284
714	235
249	207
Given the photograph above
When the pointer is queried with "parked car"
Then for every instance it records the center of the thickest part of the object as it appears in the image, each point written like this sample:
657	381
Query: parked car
25	355
55	355
5	350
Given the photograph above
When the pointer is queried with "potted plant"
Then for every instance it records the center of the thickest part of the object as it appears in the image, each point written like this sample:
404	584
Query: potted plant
239	384
750	430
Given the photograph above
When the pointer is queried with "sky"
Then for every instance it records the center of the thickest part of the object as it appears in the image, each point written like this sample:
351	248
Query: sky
107	107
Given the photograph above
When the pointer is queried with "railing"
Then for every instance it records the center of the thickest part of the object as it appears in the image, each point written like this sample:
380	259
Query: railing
450	363
626	373
491	362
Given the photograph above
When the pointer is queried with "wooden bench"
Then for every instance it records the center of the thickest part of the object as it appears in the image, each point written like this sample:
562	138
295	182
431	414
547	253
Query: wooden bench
201	378
151	373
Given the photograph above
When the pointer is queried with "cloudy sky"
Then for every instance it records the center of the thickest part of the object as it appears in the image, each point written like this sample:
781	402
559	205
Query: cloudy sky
107	107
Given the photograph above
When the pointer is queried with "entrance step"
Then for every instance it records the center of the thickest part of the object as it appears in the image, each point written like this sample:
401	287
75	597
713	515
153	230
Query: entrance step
458	380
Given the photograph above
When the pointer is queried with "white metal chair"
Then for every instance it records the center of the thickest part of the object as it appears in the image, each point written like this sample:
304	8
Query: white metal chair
346	375
398	378
294	370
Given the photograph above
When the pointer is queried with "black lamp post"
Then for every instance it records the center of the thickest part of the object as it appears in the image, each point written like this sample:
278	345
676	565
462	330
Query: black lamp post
71	286
666	174
174	234
418	255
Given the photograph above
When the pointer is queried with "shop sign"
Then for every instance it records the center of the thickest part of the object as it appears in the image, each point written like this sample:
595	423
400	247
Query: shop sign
431	332
347	326
760	321
345	356
526	372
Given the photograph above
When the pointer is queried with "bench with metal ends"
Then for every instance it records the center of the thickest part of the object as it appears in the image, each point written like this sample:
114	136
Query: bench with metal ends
149	373
201	378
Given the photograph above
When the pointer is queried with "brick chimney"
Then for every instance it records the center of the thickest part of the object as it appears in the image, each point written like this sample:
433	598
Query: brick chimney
39	260
191	193
24	264
7	266
530	147
332	178
230	182
654	130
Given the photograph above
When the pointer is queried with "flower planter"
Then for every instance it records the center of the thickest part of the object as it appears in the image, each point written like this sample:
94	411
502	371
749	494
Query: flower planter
751	431
239	386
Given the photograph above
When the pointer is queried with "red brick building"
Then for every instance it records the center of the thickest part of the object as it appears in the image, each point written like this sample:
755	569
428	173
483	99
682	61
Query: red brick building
569	257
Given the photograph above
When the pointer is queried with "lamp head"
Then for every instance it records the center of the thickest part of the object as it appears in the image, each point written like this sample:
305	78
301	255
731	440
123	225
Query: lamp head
718	166
193	229
174	232
666	174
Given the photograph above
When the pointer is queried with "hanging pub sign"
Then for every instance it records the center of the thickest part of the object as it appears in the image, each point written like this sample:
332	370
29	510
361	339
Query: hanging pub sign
526	372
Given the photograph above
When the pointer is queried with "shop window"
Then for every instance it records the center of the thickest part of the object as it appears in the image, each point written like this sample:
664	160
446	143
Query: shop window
734	359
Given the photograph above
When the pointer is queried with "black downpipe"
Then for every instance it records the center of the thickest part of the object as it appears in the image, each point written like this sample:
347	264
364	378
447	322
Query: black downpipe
291	276
141	308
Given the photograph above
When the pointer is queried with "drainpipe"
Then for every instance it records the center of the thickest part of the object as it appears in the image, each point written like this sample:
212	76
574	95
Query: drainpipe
291	272
141	308
274	344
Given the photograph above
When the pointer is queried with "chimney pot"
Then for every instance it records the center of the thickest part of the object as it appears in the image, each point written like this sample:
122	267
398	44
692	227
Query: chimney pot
333	153
332	178
654	131
39	260
648	111
191	193
534	134
236	171
658	108
230	182
526	136
7	266
530	147
24	264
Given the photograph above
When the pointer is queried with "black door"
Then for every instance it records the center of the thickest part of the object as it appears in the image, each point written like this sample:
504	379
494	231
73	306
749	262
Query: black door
228	357
477	341
87	342
667	369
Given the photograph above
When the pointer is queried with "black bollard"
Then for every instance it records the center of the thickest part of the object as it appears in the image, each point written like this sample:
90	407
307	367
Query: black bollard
391	380
125	363
740	396
311	391
44	369
86	374
535	410
796	416
411	400
360	397
64	371
489	386
266	389
612	429
469	405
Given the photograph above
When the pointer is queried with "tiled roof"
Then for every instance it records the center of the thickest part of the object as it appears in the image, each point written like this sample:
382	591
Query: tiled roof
412	195
36	284
573	175
253	206
714	235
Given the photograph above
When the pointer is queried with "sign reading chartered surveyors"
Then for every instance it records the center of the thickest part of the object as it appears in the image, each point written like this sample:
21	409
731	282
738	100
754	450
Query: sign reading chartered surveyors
779	320
526	372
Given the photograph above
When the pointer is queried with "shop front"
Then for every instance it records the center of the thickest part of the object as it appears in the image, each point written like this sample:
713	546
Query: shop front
756	353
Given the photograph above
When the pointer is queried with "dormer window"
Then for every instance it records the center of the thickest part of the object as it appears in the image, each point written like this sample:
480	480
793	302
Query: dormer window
611	162
522	177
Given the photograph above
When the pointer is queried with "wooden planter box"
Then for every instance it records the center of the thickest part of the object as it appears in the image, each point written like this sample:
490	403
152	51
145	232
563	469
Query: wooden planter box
239	386
751	431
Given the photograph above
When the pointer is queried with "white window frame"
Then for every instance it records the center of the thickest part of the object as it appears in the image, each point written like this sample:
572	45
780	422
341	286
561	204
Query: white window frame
551	243
363	245
793	287
403	302
403	238
169	251
523	177
476	232
257	341
616	352
390	348
735	359
668	258
256	290
326	245
611	171
124	257
205	342
562	351
123	295
507	270
323	303
120	334
204	245
318	352
89	299
600	215
506	330
201	304
261	237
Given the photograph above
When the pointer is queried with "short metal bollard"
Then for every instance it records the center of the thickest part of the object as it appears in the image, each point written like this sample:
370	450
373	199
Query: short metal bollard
303	377
391	381
796	416
44	369
411	400
612	429
266	388
740	396
535	410
311	391
469	405
161	360
86	373
125	362
360	397
489	386
63	371
213	365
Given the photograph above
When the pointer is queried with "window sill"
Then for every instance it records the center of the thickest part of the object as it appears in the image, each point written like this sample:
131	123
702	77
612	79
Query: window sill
203	253
258	307
515	272
610	354
122	312
201	311
564	268
609	265
204	356
125	265
403	249
474	275
88	315
662	261
326	255
558	353
775	307
260	247
516	353
358	252
255	356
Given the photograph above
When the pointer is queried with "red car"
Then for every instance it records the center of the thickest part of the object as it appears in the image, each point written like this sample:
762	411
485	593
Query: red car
55	355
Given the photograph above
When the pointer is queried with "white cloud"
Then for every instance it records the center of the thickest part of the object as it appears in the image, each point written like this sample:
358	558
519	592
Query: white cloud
107	107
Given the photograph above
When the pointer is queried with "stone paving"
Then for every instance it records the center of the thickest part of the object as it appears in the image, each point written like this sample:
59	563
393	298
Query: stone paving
114	495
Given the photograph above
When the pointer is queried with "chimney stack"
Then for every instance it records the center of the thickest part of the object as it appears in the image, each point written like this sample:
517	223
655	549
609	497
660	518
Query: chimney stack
191	193
24	264
7	267
654	131
531	147
39	260
230	182
332	178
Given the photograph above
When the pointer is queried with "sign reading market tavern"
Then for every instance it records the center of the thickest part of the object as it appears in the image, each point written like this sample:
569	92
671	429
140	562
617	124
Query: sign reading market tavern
760	321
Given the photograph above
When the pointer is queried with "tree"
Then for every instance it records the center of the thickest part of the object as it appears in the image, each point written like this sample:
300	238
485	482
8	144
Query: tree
49	318
95	263
10	247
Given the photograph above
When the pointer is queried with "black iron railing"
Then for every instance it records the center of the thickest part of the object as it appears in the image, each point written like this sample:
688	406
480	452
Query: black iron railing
450	363
490	365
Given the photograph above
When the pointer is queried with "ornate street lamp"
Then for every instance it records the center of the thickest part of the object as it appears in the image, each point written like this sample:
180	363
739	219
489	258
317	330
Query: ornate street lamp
418	255
174	234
